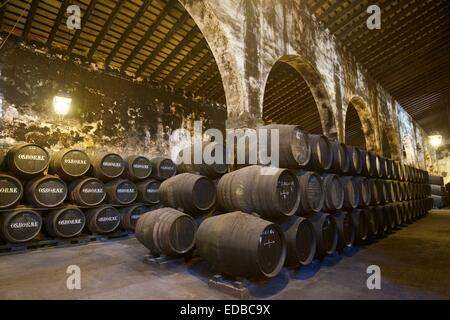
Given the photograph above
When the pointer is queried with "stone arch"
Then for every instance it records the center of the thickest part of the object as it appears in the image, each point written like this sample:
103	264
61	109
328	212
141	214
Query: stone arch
316	87
210	26
364	116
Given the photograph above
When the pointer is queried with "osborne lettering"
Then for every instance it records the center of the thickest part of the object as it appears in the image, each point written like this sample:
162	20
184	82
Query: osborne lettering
152	190
68	222
112	164
105	219
75	161
166	167
9	190
19	225
92	190
126	191
140	166
31	157
135	216
51	190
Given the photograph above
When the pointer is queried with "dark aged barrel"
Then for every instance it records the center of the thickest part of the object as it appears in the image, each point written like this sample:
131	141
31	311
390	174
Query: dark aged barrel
389	217
45	192
390	191
321	153
361	225
374	192
408	211
398	195
20	225
341	161
101	220
270	192
345	229
130	215
363	185
311	192
383	168
333	192
107	166
166	231
378	165
390	169
121	191
137	168
163	168
87	192
368	163
294	147
64	223
326	232
300	241
382	223
437	180
148	191
11	191
382	191
373	221
351	192
27	160
239	244
70	164
211	169
356	160
189	193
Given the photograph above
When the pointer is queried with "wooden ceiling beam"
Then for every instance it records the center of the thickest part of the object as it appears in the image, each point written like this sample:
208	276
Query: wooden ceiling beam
200	64
85	18
30	18
148	34
105	29
62	10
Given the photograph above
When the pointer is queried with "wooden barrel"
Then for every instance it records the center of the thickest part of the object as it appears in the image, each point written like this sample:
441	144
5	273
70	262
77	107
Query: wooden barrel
311	192
27	160
270	192
389	169
341	161
382	191
70	164
333	192
374	192
389	217
383	226
19	225
148	191
130	215
390	193
364	187
398	195
378	170
64	223
121	191
240	244
361	225
326	232
137	168
345	230
356	161
102	220
107	166
404	191
214	170
2	161
45	192
163	168
373	222
301	242
294	147
189	193
11	191
383	171
87	192
368	163
402	212
166	231
351	192
408	212
321	153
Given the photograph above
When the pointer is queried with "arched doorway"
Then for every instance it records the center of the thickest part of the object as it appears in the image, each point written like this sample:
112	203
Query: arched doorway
359	127
295	94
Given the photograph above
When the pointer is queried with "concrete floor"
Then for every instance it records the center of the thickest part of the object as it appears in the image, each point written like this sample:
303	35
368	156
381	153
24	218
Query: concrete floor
414	262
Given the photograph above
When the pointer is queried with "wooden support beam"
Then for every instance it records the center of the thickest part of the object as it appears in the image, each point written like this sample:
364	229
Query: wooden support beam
56	24
183	19
200	64
148	34
30	18
84	19
105	29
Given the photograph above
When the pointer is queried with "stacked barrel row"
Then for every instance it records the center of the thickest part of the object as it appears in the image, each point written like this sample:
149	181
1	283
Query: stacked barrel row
72	191
439	193
325	197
